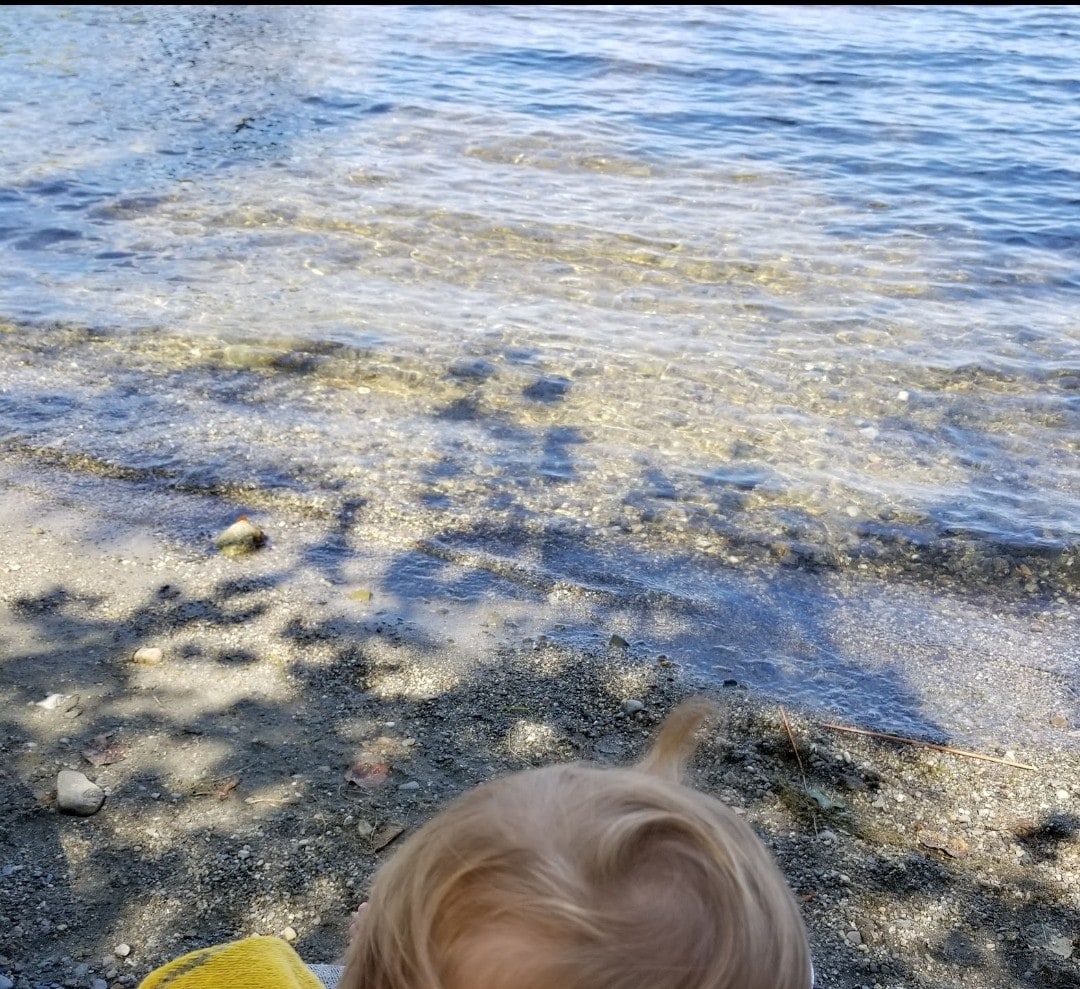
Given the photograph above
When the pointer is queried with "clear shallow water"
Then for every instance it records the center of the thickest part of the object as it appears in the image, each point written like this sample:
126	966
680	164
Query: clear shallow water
733	314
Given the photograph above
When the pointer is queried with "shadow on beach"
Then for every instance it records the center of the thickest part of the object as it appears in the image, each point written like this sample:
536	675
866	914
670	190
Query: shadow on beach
230	810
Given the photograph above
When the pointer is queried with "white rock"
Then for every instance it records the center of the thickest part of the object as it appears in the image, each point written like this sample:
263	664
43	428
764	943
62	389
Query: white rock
75	794
122	950
632	706
148	656
52	702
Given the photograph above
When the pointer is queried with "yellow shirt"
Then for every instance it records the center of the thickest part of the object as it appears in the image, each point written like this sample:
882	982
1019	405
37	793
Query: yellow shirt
254	963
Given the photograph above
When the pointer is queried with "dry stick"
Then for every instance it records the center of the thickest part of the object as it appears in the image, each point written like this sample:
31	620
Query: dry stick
932	745
794	747
798	759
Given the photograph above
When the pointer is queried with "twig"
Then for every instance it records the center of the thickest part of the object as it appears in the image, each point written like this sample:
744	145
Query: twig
932	745
798	759
794	747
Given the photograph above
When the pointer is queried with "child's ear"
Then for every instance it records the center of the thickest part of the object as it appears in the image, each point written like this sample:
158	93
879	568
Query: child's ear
673	746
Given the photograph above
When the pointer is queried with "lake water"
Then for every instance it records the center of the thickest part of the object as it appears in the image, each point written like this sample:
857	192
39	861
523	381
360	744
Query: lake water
752	331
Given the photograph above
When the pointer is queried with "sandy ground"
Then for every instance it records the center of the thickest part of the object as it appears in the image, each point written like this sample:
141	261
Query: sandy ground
299	720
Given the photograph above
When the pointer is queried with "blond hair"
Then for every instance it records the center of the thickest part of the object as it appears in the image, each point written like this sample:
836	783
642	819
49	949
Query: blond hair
580	877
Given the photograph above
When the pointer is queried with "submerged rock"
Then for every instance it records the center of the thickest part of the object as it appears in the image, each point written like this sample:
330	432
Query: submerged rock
75	794
240	538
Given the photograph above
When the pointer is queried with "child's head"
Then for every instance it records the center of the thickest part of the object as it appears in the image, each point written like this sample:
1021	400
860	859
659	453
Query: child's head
578	877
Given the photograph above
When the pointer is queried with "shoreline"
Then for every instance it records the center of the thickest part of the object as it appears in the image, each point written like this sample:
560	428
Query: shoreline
229	811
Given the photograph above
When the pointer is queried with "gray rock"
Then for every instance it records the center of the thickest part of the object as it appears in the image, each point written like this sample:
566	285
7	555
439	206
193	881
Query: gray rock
632	706
5	982
241	537
75	794
411	785
122	950
99	984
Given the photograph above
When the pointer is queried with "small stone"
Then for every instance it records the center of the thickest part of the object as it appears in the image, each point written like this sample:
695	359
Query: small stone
244	853
618	642
240	538
148	656
632	706
5	982
365	828
361	594
122	950
853	937
411	785
288	934
52	702
99	984
1059	721
75	794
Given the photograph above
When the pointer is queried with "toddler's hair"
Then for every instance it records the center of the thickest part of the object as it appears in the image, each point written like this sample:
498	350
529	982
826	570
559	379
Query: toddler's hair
581	877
